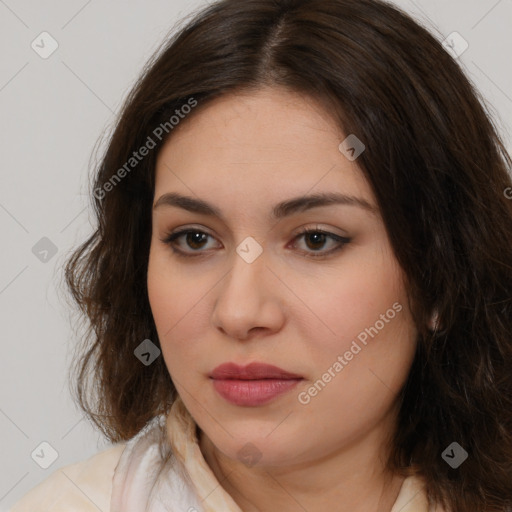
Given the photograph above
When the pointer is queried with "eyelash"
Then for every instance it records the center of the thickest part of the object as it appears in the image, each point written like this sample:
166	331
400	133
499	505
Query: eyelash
170	238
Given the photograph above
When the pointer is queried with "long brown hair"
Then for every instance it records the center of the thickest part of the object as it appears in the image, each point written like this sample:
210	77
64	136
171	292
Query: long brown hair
439	172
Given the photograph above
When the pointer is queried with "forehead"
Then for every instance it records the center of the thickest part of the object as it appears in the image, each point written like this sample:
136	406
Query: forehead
267	143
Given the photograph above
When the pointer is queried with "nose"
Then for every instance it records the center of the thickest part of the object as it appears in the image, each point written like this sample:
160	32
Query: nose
249	300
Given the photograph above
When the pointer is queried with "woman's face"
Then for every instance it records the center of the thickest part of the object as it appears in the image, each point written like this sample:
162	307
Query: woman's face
246	286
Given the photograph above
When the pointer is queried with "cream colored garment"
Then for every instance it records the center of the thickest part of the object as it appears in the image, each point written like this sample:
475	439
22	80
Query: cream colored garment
123	478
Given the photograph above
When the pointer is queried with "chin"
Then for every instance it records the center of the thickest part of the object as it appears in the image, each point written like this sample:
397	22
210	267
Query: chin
258	449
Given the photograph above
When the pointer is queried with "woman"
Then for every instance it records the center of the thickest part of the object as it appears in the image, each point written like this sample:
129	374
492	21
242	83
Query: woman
299	288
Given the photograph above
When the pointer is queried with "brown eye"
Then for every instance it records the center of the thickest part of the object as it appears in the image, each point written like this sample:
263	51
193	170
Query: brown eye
194	240
316	240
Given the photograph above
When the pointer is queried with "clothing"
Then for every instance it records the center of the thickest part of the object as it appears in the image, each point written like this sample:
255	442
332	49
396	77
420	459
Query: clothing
124	477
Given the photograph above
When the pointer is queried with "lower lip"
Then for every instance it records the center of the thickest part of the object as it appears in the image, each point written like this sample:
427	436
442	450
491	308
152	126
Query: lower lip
251	393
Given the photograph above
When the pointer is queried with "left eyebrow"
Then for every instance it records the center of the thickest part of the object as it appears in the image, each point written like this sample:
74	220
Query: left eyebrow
280	210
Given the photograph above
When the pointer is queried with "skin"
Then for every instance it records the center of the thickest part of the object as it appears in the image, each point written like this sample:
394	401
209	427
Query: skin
244	153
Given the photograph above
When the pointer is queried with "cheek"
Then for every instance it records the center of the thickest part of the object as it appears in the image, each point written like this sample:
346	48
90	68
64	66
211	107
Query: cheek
160	288
371	354
165	300
355	297
171	293
360	363
178	306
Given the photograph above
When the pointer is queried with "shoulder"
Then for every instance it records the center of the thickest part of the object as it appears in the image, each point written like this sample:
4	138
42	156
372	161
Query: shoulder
81	487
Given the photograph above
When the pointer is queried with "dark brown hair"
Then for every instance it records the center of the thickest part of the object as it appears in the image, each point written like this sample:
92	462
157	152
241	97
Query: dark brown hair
439	172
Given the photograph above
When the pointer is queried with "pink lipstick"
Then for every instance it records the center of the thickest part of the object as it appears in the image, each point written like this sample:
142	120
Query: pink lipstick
252	385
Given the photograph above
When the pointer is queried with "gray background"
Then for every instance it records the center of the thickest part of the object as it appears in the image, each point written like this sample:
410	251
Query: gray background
52	113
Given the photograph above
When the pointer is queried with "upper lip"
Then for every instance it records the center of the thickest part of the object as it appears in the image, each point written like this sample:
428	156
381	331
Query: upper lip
253	371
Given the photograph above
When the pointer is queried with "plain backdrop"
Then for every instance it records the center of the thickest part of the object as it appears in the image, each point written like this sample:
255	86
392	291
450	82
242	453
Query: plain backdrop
52	112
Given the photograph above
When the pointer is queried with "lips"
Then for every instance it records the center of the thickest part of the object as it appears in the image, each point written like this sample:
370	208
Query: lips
252	385
253	371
